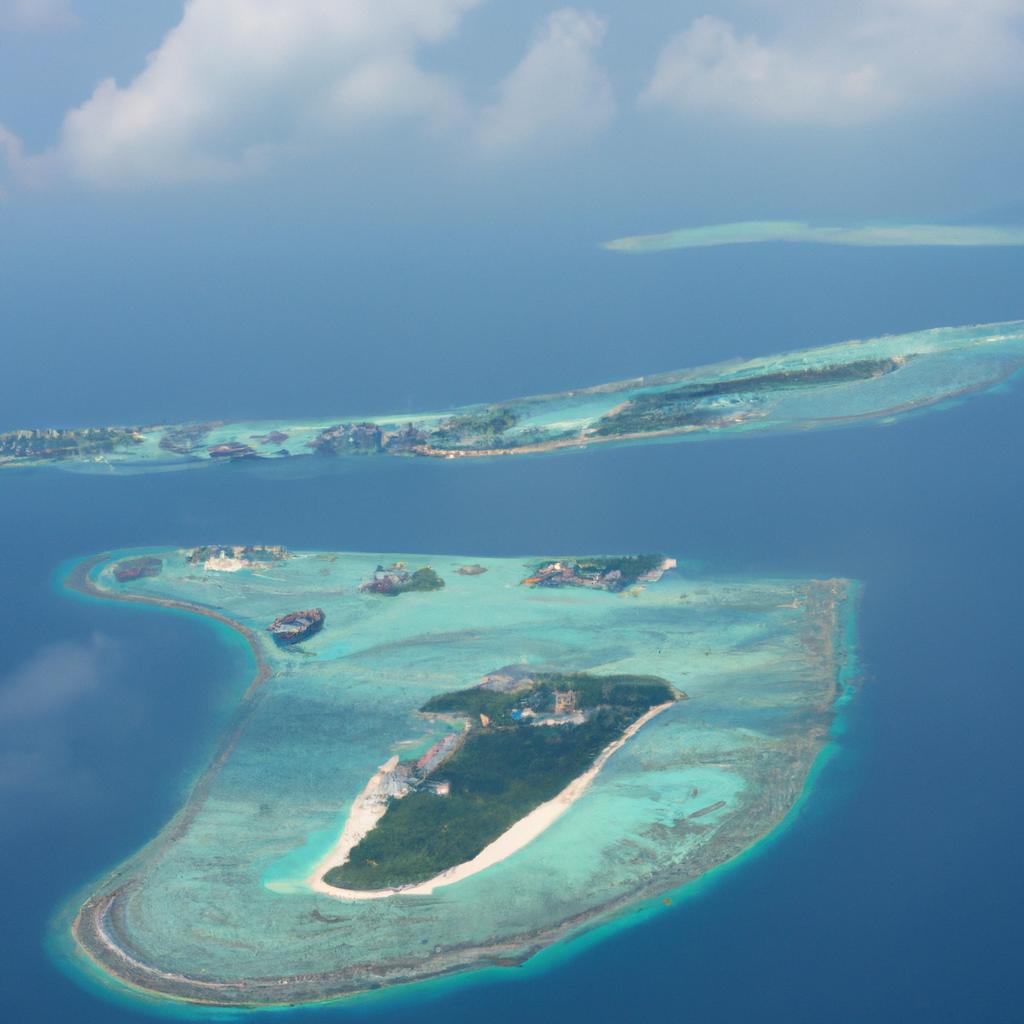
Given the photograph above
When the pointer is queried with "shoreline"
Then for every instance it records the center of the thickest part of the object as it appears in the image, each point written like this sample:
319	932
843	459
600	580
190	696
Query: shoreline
93	913
520	834
98	928
78	579
121	452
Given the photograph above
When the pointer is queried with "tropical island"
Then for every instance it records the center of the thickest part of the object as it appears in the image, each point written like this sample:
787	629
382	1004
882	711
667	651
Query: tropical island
396	579
523	740
601	573
873	380
461	776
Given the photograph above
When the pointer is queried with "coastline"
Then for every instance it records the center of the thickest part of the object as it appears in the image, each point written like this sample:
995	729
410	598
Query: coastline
98	926
143	448
93	912
79	579
523	832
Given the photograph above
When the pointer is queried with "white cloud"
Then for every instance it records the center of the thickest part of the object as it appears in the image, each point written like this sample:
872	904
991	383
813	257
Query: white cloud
10	155
557	93
53	679
44	705
237	84
237	81
10	145
36	14
856	62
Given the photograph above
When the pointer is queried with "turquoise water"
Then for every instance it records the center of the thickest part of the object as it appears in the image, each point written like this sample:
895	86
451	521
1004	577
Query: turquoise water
888	897
228	898
800	912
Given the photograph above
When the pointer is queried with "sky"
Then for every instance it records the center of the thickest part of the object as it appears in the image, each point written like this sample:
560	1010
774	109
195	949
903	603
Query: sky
121	96
174	173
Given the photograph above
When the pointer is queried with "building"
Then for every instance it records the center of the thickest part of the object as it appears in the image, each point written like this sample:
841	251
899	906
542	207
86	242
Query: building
565	702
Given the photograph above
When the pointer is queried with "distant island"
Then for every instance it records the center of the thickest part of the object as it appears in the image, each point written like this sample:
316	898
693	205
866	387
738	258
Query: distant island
426	777
882	235
855	381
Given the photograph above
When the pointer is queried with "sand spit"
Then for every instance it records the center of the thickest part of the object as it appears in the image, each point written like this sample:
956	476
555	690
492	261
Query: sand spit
367	809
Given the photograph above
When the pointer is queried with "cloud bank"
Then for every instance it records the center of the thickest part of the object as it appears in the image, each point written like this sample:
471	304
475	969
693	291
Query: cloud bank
558	92
836	64
796	231
237	81
238	84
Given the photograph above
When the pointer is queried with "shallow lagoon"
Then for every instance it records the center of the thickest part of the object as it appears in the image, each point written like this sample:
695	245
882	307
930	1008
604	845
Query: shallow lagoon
216	908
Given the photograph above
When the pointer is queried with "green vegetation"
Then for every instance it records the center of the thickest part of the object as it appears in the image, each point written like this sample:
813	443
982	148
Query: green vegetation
538	694
185	439
482	427
394	581
254	553
682	406
610	572
65	444
348	438
500	774
632	567
421	579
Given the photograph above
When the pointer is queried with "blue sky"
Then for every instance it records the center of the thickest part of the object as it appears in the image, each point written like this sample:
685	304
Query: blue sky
421	187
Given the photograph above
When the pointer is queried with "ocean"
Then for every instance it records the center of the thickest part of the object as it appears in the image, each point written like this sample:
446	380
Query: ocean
889	895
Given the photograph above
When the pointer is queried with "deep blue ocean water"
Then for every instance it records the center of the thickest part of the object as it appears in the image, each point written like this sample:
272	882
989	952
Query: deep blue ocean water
894	893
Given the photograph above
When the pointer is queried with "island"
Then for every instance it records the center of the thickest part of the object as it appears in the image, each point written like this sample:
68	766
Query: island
874	380
234	557
520	746
794	231
396	579
460	775
605	573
